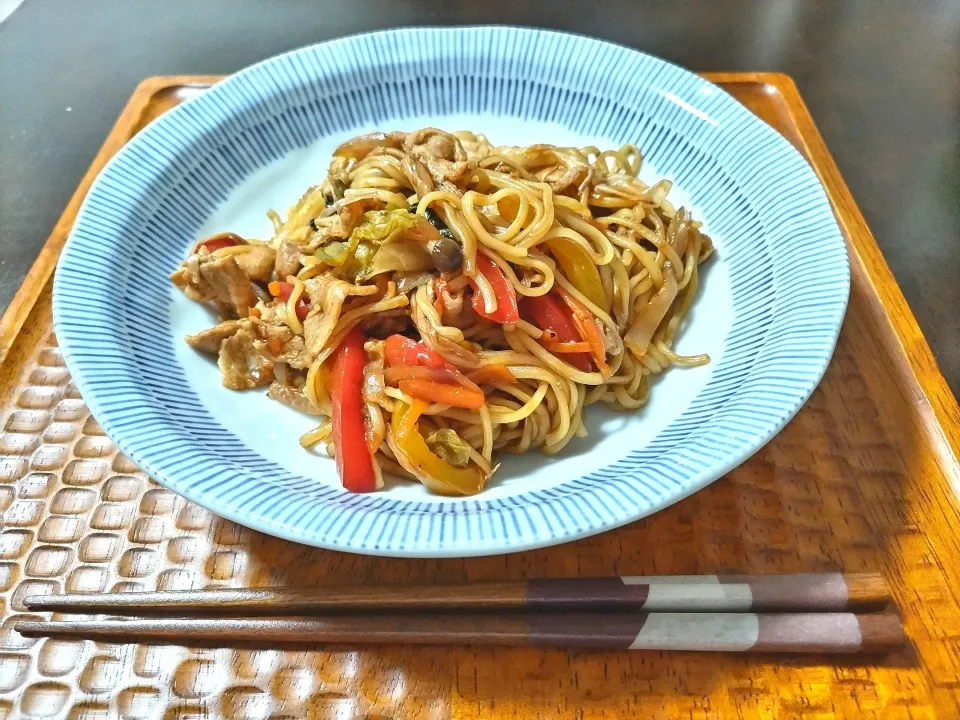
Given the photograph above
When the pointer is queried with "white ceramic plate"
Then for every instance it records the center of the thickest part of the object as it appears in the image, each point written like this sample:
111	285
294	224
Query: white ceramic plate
768	313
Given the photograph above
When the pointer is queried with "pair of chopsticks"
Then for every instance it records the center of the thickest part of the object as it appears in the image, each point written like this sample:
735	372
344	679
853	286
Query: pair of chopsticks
775	613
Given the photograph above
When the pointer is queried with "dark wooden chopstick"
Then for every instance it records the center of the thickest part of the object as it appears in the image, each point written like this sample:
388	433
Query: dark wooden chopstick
823	592
738	632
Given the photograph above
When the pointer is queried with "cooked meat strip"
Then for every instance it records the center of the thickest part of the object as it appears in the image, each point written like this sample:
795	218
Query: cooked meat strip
257	262
562	179
280	344
562	171
288	260
292	396
210	340
241	365
206	278
230	284
442	154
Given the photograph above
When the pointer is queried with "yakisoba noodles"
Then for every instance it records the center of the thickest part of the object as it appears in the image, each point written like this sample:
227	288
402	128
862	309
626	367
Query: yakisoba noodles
437	300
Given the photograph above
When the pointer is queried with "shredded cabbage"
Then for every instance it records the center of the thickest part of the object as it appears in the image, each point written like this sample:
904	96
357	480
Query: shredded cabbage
402	256
382	226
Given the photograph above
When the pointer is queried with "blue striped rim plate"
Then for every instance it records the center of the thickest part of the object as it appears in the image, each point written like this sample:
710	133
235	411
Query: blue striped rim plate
769	310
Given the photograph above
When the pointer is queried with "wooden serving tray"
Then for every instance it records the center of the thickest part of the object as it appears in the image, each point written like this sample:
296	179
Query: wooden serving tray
864	478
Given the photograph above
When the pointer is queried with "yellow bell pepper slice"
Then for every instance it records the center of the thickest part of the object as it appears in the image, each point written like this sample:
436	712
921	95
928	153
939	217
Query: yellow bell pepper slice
578	267
406	432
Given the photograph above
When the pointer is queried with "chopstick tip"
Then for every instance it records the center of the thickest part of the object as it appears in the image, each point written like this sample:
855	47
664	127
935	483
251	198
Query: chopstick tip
40	602
30	628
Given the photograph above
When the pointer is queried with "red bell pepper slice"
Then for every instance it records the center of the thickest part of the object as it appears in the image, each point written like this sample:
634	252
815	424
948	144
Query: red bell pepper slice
354	463
283	291
506	311
402	351
550	313
223	240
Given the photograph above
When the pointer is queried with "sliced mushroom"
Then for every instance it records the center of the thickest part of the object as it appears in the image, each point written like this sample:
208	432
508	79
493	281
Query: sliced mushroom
446	253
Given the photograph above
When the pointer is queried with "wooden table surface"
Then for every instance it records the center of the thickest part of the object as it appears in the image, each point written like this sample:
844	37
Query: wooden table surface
880	78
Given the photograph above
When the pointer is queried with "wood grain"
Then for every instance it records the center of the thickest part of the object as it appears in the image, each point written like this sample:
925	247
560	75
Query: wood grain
864	478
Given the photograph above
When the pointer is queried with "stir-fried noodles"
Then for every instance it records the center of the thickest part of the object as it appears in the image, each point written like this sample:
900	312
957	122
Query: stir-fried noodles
436	300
